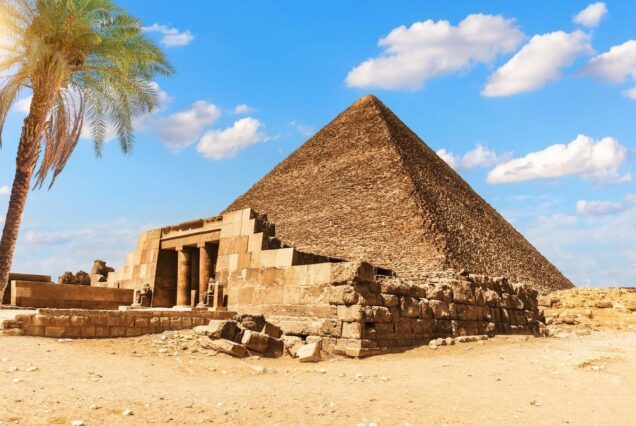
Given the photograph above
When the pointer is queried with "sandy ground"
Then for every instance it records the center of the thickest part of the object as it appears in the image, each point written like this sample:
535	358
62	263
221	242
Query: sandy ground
570	380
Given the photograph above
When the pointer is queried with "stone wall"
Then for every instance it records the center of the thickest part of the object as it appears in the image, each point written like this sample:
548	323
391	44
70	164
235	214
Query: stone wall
84	323
6	300
359	313
48	295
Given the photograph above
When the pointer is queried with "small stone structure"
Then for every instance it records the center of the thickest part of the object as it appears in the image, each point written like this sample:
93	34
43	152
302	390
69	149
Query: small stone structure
48	295
6	300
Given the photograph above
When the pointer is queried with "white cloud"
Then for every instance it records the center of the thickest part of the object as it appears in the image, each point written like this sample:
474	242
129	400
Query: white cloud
591	16
172	37
616	65
596	160
631	197
428	49
23	105
180	130
480	156
537	63
218	144
5	190
47	238
303	129
243	109
598	208
596	250
630	93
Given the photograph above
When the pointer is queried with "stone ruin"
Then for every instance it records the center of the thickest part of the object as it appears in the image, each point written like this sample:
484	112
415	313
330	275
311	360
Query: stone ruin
359	240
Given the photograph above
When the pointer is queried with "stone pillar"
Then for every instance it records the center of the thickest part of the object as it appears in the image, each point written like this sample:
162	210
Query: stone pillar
205	269
194	276
184	263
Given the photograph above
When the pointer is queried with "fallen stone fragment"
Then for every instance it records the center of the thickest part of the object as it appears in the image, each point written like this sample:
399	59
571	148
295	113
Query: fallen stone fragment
228	347
127	412
251	322
272	330
292	343
255	341
309	353
603	304
77	423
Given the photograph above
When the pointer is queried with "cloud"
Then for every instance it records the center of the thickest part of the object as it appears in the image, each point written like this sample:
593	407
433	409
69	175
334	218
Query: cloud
5	190
428	49
304	129
596	160
598	208
616	65
594	250
591	16
480	156
23	105
172	37
226	143
243	109
180	130
631	197
47	238
537	63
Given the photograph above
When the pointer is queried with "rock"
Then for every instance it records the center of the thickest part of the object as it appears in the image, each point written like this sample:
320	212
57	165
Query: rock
251	322
255	341
218	329
228	347
67	278
127	412
292	344
259	369
432	344
275	348
603	304
589	313
309	353
272	330
83	278
449	341
77	423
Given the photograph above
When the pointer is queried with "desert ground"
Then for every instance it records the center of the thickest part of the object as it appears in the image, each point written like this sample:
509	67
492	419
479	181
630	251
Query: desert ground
566	379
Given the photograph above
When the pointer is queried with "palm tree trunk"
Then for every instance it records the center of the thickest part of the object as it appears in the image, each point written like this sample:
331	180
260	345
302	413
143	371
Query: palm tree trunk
28	153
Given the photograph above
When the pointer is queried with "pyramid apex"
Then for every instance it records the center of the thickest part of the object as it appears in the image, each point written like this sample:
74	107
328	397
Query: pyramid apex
367	100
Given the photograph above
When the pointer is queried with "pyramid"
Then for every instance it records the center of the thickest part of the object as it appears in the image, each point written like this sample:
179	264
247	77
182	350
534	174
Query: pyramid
366	187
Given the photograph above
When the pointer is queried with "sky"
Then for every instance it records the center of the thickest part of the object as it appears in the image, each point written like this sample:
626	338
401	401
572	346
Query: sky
532	102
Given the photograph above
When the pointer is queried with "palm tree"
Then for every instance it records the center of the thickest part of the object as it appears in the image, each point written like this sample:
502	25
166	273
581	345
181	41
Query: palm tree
81	60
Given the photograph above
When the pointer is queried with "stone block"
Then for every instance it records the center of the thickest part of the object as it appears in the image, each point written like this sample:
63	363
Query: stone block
228	347
351	272
352	330
272	330
440	309
292	344
390	300
409	307
257	242
255	341
275	348
463	292
309	352
343	295
381	314
55	331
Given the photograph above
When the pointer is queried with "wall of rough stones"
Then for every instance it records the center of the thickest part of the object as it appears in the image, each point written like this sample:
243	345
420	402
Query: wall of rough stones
359	313
85	323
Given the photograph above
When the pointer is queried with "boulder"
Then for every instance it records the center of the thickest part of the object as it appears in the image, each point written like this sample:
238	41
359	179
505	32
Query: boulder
292	343
251	322
309	353
272	330
226	346
255	341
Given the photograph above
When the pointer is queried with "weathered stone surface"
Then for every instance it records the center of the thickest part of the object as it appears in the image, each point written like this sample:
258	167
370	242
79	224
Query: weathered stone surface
251	322
292	344
272	330
218	329
255	341
228	347
309	353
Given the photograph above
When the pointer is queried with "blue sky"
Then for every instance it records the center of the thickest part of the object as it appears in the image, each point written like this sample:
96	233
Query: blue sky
493	86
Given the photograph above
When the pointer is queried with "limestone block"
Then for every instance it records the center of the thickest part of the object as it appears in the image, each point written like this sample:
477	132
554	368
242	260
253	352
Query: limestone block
272	330
291	295
292	344
255	341
390	300
240	244
350	272
381	314
343	295
256	242
228	347
440	309
352	313
253	322
248	227
229	230
409	307
330	327
275	348
309	353
319	273
352	330
463	292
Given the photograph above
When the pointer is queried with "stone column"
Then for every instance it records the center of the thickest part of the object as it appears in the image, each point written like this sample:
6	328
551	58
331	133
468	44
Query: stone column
205	267
184	263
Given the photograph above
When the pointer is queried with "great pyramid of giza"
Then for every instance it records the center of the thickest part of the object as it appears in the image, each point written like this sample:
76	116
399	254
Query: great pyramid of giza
367	187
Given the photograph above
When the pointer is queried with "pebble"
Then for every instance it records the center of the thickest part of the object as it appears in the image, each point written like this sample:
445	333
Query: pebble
77	423
359	376
127	412
32	369
17	380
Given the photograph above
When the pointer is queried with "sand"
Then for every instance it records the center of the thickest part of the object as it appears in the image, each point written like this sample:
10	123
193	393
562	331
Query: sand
567	380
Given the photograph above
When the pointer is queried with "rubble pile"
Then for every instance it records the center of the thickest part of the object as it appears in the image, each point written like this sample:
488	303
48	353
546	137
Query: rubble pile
249	335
